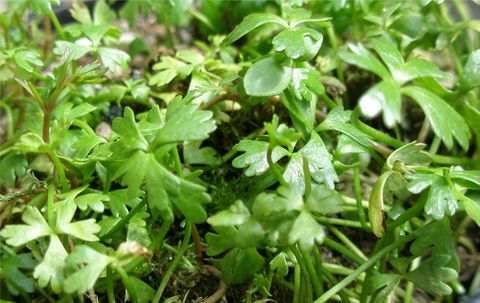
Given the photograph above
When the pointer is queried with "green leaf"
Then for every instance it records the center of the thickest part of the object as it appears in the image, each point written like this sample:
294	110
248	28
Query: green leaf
380	281
255	156
436	238
300	43
473	209
319	161
294	173
35	228
113	58
139	290
431	275
194	154
163	186
92	201
441	199
131	139
420	68
436	110
362	58
13	167
390	183
84	229
15	279
337	120
267	77
220	242
471	72
26	58
389	54
51	269
93	265
168	69
62	47
102	14
240	264
236	214
133	171
410	154
384	96
250	23
467	178
279	263
185	122
306	231
324	200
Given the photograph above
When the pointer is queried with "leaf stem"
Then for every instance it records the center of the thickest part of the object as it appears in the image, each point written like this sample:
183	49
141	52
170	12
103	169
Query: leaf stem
318	266
124	220
362	268
358	197
341	236
310	269
56	24
50	204
338	221
173	265
343	250
274	168
110	290
9	115
296	283
308	178
61	172
195	235
372	132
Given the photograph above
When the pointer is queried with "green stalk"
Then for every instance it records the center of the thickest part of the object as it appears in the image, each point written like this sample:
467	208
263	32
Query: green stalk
435	145
358	197
310	267
50	204
274	168
372	132
195	235
407	298
156	244
308	178
8	113
110	291
297	284
124	220
362	268
328	101
61	172
347	242
447	160
329	277
337	221
301	263
178	164
343	250
56	24
319	266
413	211
333	41
173	265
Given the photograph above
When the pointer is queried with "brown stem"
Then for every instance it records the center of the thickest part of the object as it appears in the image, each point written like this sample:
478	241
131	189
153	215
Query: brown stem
197	243
46	122
214	101
48	35
222	287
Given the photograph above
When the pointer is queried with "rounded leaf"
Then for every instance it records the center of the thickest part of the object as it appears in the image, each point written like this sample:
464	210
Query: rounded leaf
267	77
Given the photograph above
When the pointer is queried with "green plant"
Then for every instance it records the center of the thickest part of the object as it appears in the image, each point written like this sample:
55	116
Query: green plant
234	149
